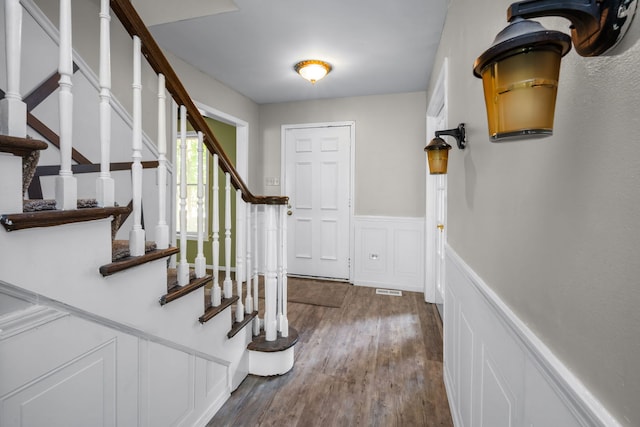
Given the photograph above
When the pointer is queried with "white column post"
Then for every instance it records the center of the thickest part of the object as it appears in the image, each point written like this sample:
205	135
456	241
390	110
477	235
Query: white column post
105	186
256	251
66	185
216	297
227	285
13	111
162	229
248	304
183	265
271	279
137	235
201	262
239	254
283	320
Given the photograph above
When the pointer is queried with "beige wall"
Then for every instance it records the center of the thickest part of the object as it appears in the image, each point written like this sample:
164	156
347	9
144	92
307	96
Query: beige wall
552	224
390	137
201	87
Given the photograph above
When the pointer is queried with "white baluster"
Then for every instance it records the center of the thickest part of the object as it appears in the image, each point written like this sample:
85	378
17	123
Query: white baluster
13	111
137	234
66	185
278	269
256	302
162	229
283	320
216	297
105	186
183	265
227	285
239	254
271	279
201	262
248	304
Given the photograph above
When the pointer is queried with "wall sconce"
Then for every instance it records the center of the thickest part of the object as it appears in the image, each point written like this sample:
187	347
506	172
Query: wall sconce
520	70
438	150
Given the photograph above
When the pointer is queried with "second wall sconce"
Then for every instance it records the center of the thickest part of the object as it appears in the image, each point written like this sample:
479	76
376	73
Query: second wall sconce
438	150
520	70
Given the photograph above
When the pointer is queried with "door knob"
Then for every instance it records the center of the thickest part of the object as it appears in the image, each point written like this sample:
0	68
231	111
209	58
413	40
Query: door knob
440	227
289	213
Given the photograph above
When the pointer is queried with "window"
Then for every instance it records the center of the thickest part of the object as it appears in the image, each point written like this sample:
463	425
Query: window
192	186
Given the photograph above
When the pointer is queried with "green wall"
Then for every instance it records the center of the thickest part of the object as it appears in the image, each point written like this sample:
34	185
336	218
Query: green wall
226	135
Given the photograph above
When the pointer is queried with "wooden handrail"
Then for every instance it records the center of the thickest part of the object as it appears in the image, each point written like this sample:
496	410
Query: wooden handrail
134	25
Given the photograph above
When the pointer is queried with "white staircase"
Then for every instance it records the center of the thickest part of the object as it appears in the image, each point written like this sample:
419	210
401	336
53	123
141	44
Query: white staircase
118	341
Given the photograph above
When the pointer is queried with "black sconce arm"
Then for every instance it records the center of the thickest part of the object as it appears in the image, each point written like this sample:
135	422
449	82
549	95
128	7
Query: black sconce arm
458	133
595	24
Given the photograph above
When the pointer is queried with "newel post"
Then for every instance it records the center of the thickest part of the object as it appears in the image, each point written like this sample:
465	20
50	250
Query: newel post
13	111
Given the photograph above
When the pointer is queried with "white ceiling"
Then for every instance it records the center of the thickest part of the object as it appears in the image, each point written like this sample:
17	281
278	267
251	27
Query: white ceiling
375	46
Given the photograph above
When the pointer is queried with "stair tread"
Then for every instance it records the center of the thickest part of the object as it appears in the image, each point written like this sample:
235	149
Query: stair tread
237	326
132	261
212	311
24	220
260	342
20	146
176	291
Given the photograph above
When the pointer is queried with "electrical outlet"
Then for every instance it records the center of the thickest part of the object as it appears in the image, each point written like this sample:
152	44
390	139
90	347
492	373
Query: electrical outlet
272	181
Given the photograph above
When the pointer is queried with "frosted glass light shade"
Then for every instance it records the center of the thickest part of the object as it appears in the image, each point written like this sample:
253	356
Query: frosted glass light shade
313	69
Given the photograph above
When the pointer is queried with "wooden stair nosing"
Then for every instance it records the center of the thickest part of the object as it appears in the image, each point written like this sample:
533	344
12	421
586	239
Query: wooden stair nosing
25	220
212	311
260	343
132	261
20	146
237	326
179	291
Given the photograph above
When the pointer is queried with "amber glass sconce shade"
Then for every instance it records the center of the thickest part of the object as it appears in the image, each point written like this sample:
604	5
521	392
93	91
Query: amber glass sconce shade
438	150
520	79
520	70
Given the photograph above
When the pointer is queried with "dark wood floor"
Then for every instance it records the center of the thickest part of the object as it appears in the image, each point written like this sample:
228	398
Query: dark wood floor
377	361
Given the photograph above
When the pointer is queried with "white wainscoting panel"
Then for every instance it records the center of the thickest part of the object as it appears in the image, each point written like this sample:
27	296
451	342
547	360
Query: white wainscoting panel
497	372
57	369
389	252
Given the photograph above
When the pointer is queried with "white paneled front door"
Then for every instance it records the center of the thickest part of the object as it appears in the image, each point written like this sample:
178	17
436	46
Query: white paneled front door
317	181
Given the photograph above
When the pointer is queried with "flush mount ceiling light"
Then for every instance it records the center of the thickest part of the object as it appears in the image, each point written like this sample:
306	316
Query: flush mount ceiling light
312	69
520	70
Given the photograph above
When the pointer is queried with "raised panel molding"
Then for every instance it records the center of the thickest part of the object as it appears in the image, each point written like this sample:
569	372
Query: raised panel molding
389	252
515	379
58	368
79	393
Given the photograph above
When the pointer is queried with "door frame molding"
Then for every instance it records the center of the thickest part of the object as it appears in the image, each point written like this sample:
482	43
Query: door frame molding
437	102
352	162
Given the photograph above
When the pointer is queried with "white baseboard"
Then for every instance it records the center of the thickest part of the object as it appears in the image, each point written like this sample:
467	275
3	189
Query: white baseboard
497	371
389	252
